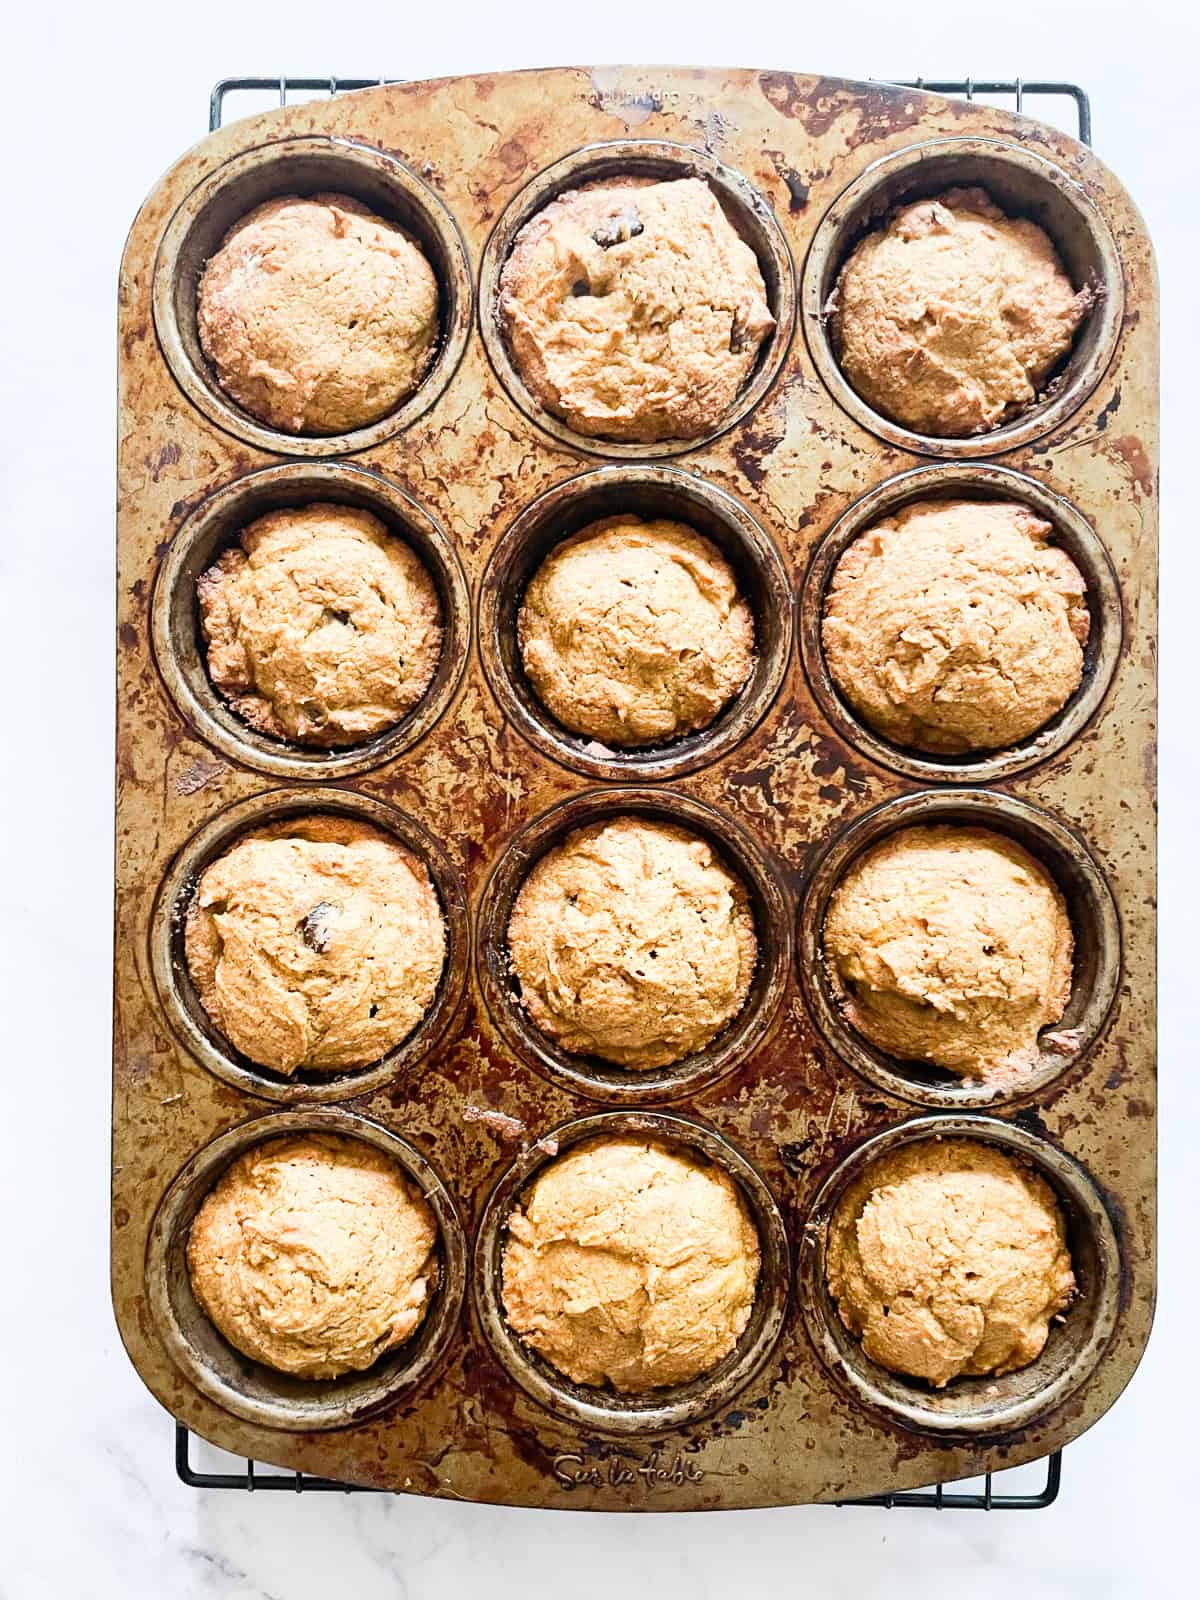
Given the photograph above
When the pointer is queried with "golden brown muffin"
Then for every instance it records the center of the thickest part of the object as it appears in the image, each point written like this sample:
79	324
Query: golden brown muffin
634	633
632	942
951	317
954	626
631	1264
949	1257
314	1255
632	309
321	626
951	945
318	316
316	943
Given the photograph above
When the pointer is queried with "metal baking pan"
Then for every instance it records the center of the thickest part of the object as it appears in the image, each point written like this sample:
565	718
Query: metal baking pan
787	783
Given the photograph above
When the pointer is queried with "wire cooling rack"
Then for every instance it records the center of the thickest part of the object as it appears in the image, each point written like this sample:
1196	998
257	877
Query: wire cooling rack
250	1478
275	91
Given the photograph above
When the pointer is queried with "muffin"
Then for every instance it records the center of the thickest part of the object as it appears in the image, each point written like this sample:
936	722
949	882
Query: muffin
954	626
951	317
634	633
314	1255
632	942
320	625
317	316
633	310
951	945
949	1258
316	943
630	1264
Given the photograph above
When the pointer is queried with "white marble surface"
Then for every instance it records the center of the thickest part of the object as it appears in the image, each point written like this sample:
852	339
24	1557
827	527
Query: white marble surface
99	100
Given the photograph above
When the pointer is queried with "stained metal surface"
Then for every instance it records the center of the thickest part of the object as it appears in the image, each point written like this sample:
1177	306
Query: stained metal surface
474	461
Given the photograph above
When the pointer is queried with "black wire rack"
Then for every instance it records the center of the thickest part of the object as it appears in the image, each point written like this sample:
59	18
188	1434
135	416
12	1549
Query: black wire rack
1016	89
251	1478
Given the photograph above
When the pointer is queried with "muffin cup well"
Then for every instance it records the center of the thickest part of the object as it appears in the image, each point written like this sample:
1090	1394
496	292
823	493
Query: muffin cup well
1094	922
245	1387
648	492
748	212
1023	184
658	1410
984	1406
178	639
186	1014
599	1080
305	166
1072	533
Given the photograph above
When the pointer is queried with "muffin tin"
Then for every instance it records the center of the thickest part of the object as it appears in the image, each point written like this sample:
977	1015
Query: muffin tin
787	784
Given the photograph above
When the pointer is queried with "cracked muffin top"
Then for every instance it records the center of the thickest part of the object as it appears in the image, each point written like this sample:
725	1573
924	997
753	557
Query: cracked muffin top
315	943
951	945
951	317
954	626
633	310
632	942
317	315
320	625
634	633
314	1255
630	1264
949	1258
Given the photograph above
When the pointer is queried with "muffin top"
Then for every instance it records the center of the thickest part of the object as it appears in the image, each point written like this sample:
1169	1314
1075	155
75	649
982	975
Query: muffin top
630	1264
632	942
314	1255
954	626
634	632
951	945
633	310
950	317
317	942
321	626
317	316
949	1257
